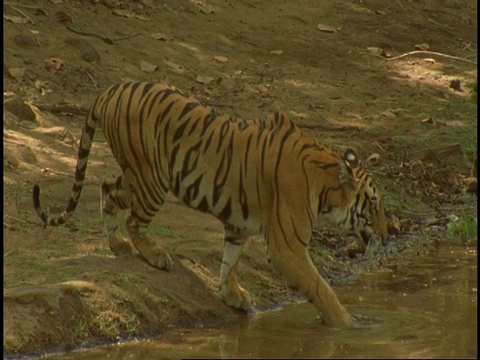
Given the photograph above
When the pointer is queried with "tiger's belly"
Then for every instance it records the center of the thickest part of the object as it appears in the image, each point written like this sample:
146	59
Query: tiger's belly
234	216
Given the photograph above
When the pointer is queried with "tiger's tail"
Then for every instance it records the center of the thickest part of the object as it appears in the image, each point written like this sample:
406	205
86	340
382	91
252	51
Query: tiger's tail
85	145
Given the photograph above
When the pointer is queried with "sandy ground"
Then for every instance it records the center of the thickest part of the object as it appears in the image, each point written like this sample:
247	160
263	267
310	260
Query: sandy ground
331	64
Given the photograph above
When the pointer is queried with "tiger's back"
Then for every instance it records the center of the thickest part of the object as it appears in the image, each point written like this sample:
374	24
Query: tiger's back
258	176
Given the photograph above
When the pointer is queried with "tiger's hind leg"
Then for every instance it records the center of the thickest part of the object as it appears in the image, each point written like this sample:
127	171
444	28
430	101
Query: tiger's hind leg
115	195
231	292
137	223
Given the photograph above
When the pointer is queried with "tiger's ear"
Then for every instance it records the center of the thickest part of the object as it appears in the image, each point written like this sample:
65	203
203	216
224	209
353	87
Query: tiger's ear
347	164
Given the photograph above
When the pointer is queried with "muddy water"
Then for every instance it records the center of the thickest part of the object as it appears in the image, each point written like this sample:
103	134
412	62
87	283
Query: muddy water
420	308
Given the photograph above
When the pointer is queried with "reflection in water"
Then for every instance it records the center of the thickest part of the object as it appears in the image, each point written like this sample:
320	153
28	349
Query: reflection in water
425	308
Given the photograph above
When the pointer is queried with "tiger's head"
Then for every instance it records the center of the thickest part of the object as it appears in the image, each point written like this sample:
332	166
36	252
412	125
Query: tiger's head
366	211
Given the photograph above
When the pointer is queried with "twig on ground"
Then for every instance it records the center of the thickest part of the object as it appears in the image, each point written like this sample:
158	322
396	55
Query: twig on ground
440	24
416	214
9	253
21	5
320	115
379	146
22	13
401	5
20	220
107	39
218	104
249	4
329	127
127	36
49	171
62	108
372	54
95	84
422	52
250	43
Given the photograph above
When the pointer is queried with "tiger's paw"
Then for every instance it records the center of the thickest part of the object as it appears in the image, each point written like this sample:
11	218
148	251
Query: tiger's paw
237	298
159	258
121	247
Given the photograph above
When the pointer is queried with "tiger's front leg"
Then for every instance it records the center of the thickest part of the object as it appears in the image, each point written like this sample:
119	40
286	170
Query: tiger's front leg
290	258
231	292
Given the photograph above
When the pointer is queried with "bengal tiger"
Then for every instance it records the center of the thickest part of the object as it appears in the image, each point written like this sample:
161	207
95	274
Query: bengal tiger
260	176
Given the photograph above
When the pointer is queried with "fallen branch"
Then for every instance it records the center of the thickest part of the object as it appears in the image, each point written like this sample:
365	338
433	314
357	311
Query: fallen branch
401	5
440	24
12	251
107	39
95	84
62	108
218	104
22	13
20	220
21	5
423	52
416	213
329	127
46	171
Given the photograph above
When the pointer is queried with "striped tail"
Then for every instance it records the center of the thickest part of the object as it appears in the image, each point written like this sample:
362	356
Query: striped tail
82	158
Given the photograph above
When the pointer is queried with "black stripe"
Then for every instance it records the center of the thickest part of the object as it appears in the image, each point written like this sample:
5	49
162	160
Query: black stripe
224	215
297	235
208	143
223	134
126	116
194	126
203	205
247	152
263	157
162	115
242	195
179	132
176	185
192	152
192	190
208	120
222	168
140	219
161	176
277	165
173	157
187	108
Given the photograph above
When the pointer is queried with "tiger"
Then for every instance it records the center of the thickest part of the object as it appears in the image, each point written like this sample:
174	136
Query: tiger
258	177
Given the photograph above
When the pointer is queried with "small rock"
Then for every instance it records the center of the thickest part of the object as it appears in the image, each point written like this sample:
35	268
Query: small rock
204	79
87	50
276	52
25	41
17	73
423	47
326	28
147	67
17	106
89	53
456	85
221	59
73	42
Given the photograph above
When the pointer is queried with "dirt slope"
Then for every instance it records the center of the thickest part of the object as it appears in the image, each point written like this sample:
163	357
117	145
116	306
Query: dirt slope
64	288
